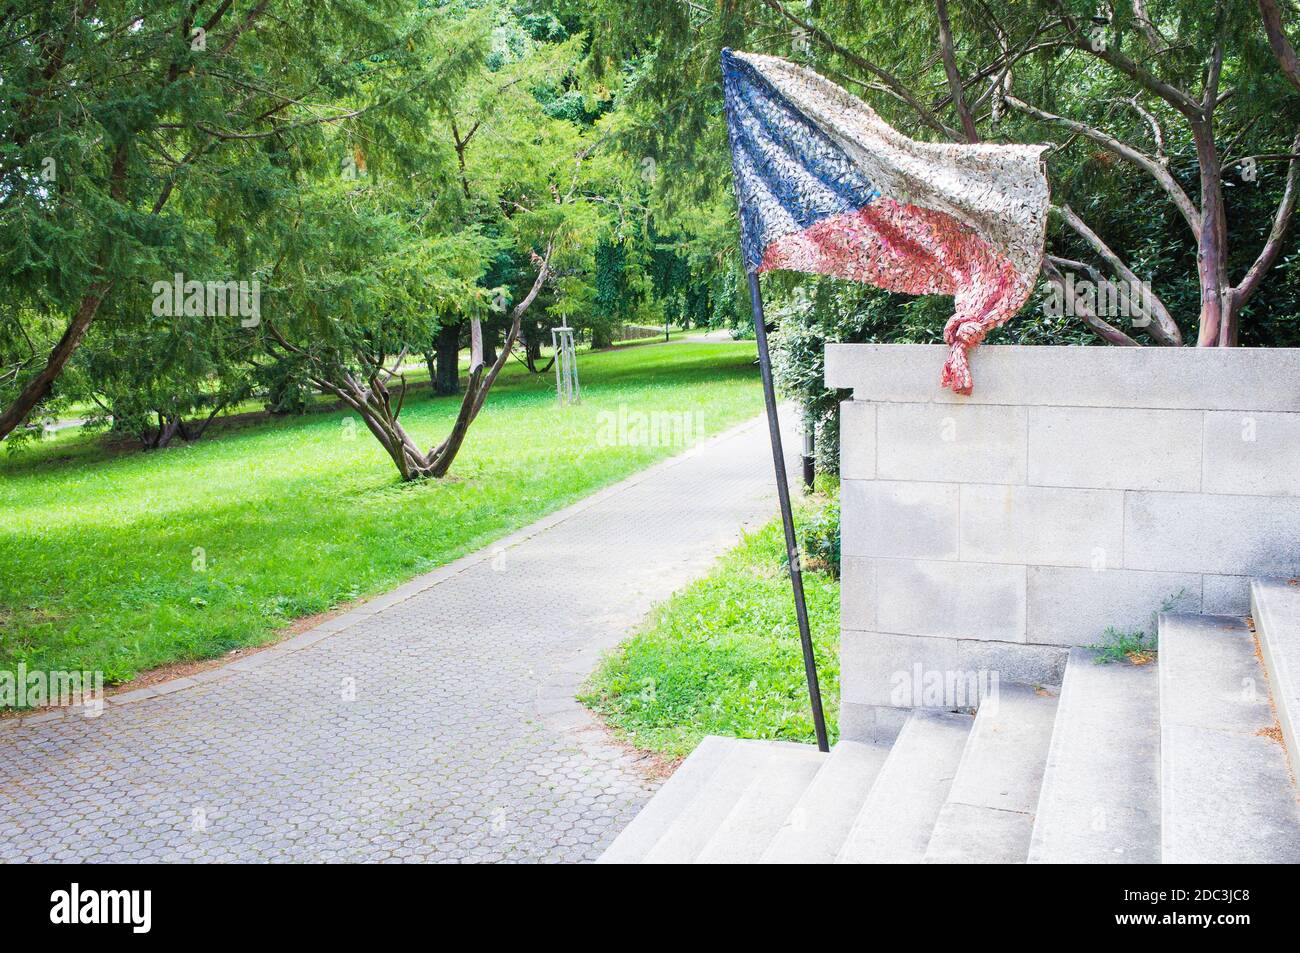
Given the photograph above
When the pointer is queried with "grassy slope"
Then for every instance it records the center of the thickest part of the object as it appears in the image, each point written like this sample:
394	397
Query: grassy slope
97	548
722	657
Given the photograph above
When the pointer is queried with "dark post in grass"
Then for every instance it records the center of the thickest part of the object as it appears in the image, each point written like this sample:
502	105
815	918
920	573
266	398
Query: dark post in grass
809	451
787	516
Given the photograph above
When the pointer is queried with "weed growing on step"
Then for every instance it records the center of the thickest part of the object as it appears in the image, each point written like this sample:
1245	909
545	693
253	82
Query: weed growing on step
1135	646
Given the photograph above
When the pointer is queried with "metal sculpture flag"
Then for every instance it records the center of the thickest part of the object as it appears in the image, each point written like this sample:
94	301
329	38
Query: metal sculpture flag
826	186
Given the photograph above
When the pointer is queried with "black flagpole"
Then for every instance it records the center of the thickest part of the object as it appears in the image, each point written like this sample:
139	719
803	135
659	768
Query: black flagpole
787	516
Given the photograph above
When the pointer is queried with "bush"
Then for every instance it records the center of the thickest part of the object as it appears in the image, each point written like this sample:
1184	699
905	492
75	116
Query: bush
821	541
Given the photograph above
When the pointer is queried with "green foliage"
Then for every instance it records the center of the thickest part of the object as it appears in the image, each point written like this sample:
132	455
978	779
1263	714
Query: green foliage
133	147
662	62
820	537
284	386
383	168
291	517
723	657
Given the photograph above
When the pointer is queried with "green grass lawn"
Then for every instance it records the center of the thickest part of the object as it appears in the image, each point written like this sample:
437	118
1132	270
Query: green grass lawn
123	561
722	657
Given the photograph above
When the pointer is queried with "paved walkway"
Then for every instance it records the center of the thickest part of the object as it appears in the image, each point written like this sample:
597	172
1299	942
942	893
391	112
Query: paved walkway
435	723
716	336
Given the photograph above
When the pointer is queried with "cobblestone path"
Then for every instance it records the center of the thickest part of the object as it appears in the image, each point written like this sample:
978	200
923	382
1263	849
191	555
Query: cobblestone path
434	723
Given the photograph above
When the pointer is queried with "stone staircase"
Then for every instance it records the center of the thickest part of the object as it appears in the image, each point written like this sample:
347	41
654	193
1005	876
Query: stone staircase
1184	760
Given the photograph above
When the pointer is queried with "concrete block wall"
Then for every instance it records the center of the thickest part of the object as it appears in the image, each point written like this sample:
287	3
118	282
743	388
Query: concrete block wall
1077	488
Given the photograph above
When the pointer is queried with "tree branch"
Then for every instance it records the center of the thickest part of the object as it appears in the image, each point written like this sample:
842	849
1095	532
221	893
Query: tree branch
1181	100
1277	39
954	76
1148	28
1164	329
1156	132
1103	329
1273	246
1122	149
896	87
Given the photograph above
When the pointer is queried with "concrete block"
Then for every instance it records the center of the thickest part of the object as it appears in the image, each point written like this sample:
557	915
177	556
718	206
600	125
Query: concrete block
958	600
969	834
958	444
901	671
1115	448
1261	379
1041	525
752	824
135	695
857	593
1002	663
988	817
1226	793
1100	798
1002	766
669	802
1226	798
1252	452
878	668
916	520
174	685
1209	674
693	828
1076	606
1199	532
1275	606
898	815
1225	595
871	724
817	826
857	440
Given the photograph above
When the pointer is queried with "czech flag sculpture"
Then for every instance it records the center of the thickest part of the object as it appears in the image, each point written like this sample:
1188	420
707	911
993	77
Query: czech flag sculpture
826	186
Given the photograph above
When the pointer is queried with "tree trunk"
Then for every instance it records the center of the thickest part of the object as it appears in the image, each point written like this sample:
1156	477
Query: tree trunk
168	426
1218	325
446	379
954	76
370	398
39	386
1277	39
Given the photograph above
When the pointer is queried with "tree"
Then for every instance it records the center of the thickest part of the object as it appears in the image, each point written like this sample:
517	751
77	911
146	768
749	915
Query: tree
129	140
168	379
373	268
1154	90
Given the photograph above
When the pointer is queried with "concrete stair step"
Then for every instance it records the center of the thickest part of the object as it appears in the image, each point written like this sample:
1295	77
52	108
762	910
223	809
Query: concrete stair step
780	778
696	822
638	838
989	814
1275	607
898	815
1225	789
819	823
1100	798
